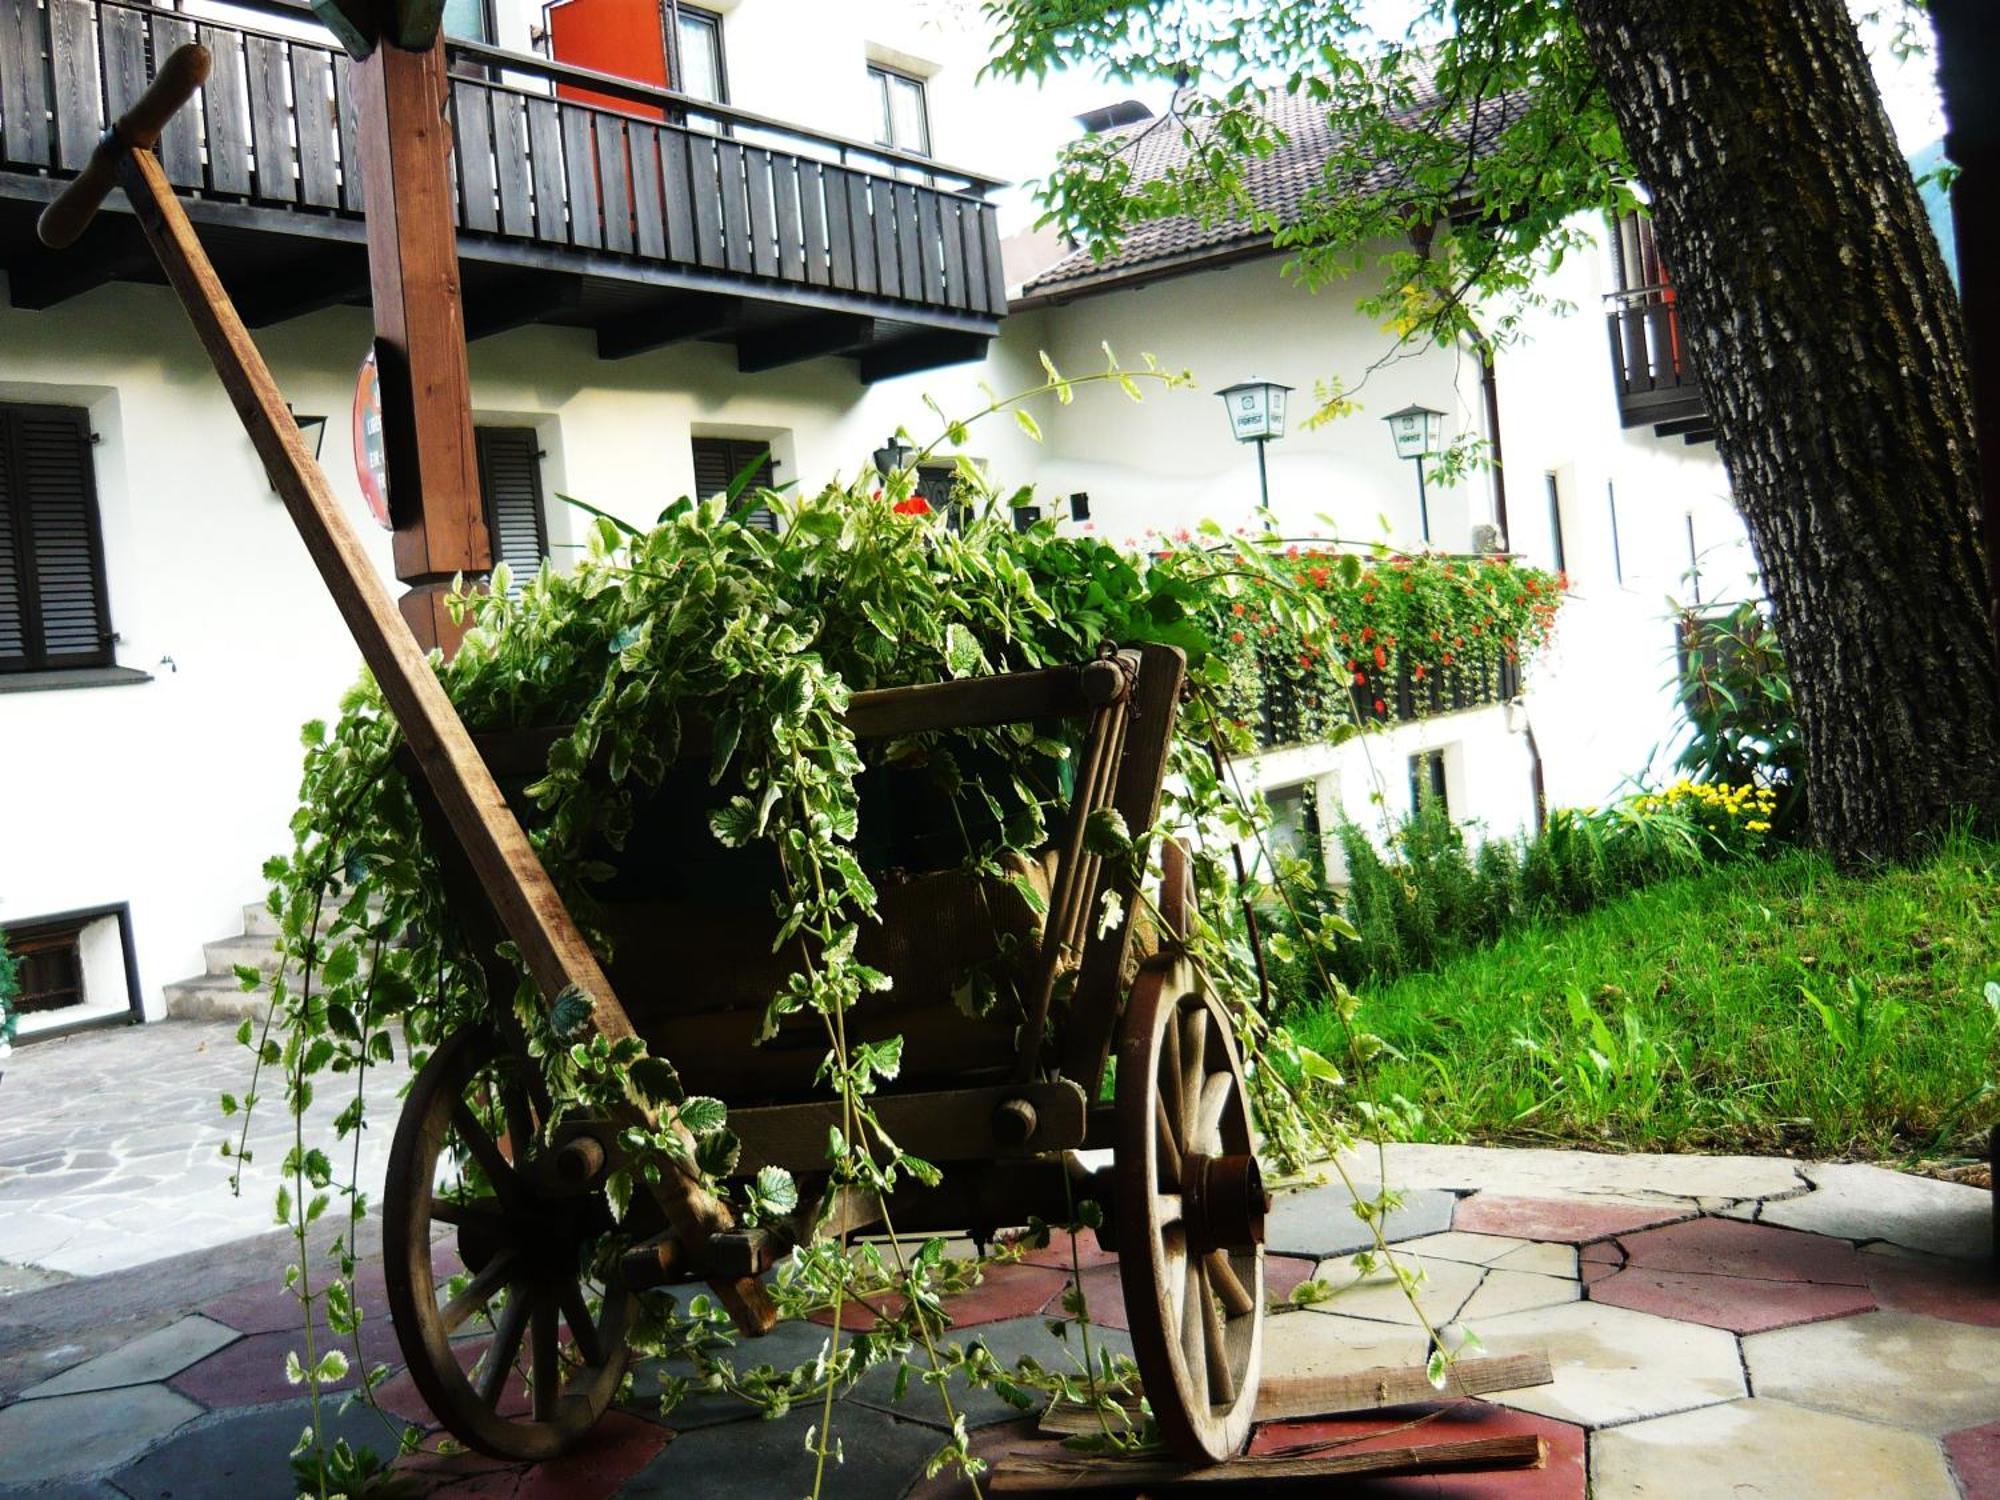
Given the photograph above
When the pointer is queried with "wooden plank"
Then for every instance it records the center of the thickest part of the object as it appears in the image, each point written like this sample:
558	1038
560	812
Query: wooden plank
1021	1473
472	138
73	63
953	1124
318	114
614	178
791	233
975	257
951	236
989	245
510	163
122	35
545	166
1293	1397
24	88
552	950
705	182
763	214
270	122
882	199
648	218
226	110
812	223
580	168
678	189
861	229
930	233
180	142
909	243
839	229
735	206
353	190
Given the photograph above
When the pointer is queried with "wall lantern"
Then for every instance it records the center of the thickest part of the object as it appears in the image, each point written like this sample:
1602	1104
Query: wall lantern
1417	432
1257	415
311	429
892	456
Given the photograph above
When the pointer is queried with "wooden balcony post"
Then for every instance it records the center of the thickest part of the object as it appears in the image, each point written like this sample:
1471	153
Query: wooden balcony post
405	140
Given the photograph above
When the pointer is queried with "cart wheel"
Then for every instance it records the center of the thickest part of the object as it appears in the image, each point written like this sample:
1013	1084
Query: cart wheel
528	1221
1190	1213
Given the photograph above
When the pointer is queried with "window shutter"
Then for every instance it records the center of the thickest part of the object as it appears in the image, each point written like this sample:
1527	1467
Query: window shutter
717	462
510	483
53	612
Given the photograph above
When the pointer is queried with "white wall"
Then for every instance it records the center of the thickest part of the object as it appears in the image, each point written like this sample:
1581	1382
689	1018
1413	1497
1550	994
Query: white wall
171	793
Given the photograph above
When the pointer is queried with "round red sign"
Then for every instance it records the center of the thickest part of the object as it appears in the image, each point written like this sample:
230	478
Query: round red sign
371	458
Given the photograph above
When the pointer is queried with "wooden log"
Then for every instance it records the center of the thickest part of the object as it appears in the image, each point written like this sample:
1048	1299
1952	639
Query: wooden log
1020	1474
1283	1398
511	875
948	1125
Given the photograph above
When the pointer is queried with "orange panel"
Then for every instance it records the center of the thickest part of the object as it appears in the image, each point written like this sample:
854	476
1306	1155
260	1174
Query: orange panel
620	37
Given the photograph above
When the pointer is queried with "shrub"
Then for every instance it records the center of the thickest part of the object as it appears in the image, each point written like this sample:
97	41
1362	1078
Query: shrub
1743	728
10	986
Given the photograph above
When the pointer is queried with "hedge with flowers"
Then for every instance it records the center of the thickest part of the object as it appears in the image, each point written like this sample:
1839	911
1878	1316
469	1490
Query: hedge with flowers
1411	635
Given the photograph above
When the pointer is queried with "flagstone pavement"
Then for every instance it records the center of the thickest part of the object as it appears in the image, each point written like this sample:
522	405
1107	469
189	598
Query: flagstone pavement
1717	1326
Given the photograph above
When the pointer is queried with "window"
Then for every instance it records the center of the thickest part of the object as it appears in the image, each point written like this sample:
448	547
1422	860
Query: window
1556	526
1079	506
699	34
1617	552
50	960
905	117
718	461
1294	829
53	612
510	487
1427	784
469	20
1027	517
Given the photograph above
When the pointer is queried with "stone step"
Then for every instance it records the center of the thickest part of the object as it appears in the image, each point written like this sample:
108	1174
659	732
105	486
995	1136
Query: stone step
214	997
258	922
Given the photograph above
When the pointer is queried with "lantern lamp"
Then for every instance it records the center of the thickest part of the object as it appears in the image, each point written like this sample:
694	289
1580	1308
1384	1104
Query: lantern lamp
1257	415
1417	432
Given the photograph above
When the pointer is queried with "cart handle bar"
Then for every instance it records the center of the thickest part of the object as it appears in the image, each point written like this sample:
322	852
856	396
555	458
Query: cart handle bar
73	209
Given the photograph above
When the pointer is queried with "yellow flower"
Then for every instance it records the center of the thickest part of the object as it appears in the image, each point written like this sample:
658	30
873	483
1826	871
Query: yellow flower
1758	825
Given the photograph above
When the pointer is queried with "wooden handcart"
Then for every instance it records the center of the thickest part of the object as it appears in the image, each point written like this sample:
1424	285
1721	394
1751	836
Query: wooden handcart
1002	1104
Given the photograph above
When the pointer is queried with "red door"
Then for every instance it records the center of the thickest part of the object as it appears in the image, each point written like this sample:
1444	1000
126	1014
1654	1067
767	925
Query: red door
621	37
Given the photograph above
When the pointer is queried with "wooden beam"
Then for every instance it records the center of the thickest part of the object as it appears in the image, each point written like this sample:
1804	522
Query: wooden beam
399	100
673	319
1022	1473
516	301
925	351
801	339
303	284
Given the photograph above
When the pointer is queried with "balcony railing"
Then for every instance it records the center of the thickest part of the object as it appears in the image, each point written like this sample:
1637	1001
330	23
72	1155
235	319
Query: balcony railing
1289	714
1649	358
664	179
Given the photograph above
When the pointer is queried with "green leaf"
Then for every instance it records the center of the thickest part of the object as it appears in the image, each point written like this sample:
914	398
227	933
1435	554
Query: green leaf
962	655
1027	423
776	1190
571	1012
702	1114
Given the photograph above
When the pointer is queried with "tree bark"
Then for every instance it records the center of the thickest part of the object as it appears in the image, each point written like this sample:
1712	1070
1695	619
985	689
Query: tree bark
1827	339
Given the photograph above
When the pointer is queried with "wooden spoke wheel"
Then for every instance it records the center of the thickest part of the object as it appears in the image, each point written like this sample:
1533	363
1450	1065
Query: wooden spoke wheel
1190	1213
529	1223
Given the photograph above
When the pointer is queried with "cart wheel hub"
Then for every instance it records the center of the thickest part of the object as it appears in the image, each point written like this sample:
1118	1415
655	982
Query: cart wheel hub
1223	1202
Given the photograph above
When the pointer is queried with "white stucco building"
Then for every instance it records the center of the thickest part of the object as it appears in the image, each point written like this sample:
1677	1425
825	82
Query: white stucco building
798	286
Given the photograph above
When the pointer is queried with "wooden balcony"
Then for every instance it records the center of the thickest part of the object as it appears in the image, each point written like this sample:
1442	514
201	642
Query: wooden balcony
662	219
1288	714
1649	360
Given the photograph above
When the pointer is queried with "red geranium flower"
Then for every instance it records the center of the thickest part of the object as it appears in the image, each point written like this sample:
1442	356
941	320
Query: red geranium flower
916	505
1380	706
1381	657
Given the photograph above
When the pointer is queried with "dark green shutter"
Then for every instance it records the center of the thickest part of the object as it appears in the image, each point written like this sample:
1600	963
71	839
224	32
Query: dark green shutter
717	462
53	612
510	483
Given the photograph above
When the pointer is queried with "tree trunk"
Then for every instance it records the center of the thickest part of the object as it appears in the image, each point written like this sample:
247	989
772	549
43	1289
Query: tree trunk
1826	335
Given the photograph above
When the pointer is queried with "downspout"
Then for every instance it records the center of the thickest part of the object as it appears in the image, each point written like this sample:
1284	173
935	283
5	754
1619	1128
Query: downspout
1489	383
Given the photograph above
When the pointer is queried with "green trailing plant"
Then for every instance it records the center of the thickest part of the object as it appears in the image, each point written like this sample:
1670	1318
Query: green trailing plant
10	988
763	635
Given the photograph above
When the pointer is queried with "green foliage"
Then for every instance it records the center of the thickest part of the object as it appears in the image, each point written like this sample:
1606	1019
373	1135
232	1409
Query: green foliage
1759	1005
1743	727
1439	229
10	986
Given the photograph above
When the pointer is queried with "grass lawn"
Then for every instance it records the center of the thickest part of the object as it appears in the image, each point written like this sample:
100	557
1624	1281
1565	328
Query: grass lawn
1774	1006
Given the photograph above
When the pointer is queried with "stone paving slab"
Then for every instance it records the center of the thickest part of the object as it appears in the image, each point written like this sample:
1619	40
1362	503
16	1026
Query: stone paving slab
154	1356
1901	1368
1307	1342
1975	1459
1762	1447
1009	1342
1612	1365
1504	1292
1957	1290
1549	1173
1320	1221
63	1437
244	1453
1855	1202
1379	1296
757	1460
91	1182
1573	1221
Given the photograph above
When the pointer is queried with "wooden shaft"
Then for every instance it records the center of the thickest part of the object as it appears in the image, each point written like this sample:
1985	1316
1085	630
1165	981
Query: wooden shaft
523	898
184	71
